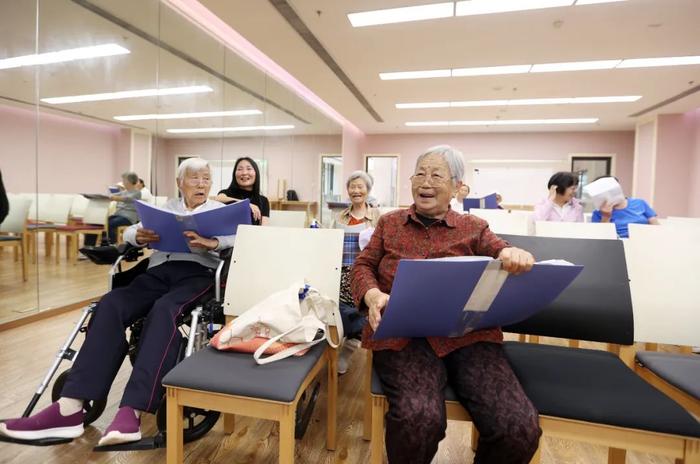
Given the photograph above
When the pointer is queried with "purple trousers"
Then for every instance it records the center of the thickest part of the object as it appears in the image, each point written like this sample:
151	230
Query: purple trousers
414	381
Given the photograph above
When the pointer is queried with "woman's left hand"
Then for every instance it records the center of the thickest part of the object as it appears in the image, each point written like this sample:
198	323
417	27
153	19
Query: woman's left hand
197	241
515	260
256	212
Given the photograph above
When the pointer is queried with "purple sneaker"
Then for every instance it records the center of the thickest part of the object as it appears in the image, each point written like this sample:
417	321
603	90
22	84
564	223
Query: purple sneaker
125	428
47	423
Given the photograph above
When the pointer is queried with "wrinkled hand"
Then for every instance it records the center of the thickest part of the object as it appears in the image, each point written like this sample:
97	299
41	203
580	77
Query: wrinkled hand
376	301
552	192
146	236
606	210
515	260
257	215
197	241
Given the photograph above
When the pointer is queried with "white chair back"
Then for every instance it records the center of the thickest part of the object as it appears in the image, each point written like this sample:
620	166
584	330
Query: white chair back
597	230
41	203
79	205
270	259
662	266
161	201
279	218
502	222
16	220
688	221
96	212
58	209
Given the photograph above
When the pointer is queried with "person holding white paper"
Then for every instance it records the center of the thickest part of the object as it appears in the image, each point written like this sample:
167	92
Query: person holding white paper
414	372
172	282
561	205
355	218
625	212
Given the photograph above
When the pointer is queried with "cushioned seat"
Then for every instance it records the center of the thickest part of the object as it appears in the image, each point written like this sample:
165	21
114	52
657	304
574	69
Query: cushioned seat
237	374
595	386
680	370
78	227
378	390
9	238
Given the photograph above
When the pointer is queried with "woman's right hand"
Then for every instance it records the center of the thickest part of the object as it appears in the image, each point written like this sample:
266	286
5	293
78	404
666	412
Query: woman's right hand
552	193
376	301
146	236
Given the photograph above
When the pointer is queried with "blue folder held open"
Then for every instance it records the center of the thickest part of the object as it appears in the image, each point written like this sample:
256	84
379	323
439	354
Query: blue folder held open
171	226
450	297
487	202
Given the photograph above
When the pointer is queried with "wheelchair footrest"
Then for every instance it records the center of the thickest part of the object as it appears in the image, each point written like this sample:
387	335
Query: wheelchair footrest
148	443
38	442
305	409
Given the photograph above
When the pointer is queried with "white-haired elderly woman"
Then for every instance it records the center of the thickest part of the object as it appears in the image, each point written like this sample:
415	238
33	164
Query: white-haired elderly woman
172	281
414	372
359	215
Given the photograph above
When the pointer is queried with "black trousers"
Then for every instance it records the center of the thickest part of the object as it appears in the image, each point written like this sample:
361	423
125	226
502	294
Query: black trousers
160	294
414	381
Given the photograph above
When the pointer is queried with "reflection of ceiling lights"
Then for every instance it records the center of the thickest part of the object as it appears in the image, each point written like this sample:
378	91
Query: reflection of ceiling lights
62	56
206	114
129	94
461	8
520	102
546	67
503	122
229	129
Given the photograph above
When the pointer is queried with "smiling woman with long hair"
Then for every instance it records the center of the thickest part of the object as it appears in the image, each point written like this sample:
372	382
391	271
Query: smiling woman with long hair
245	184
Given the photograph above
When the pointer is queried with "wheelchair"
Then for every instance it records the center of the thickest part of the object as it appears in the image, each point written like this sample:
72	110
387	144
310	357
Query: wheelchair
197	327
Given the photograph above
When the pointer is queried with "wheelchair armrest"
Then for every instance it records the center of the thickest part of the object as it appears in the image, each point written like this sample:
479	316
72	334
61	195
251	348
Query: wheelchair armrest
129	252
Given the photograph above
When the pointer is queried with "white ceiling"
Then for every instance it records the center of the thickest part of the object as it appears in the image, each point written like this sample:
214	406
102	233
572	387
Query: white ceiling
631	29
64	24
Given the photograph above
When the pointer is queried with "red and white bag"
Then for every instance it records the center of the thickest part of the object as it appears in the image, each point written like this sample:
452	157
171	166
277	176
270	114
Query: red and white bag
286	323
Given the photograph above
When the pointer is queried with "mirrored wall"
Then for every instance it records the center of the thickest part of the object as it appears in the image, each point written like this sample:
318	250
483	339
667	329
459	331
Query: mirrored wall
90	89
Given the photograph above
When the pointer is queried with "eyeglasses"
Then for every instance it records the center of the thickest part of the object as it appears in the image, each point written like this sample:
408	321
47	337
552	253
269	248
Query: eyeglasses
434	179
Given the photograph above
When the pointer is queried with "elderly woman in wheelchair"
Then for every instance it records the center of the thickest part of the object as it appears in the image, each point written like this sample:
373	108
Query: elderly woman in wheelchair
172	283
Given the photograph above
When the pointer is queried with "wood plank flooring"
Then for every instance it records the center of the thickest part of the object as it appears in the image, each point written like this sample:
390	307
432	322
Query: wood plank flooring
27	351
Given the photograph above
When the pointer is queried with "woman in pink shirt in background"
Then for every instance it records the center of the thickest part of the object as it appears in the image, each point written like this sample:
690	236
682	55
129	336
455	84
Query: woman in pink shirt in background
561	205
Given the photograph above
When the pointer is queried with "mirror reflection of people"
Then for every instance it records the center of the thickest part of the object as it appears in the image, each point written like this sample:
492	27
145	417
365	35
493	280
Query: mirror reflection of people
125	214
561	205
625	212
146	194
457	203
414	372
245	184
499	200
358	215
171	283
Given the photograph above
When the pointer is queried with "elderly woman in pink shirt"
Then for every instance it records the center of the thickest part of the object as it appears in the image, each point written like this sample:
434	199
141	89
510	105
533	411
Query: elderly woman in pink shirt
560	205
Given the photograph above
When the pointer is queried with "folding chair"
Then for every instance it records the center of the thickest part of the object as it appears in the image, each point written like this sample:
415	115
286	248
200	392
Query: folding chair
265	260
94	223
13	230
591	395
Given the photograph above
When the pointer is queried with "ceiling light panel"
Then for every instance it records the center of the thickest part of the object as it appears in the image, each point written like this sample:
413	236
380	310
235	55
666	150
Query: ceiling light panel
654	62
520	102
479	7
491	70
62	56
207	114
230	129
593	2
574	66
402	15
128	94
503	122
415	74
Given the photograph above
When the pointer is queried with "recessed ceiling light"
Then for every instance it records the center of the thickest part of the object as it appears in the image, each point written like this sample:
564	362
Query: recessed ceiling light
520	102
63	56
407	106
504	122
229	129
415	74
428	123
477	7
574	66
207	114
592	2
491	70
665	61
129	94
401	15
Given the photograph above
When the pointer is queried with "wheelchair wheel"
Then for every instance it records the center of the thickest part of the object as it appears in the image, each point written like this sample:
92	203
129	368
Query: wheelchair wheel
93	409
197	421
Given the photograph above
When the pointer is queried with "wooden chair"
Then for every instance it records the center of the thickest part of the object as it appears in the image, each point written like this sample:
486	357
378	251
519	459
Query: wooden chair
13	230
594	395
232	382
55	213
675	374
94	223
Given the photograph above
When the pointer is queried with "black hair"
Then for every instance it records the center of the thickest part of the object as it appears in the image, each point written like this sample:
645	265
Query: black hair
563	180
255	196
141	180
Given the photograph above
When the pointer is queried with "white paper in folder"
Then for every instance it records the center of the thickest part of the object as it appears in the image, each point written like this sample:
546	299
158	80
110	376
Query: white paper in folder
605	190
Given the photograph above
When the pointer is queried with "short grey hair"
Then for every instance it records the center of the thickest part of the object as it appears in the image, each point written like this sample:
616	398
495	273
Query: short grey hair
191	164
453	158
366	178
131	177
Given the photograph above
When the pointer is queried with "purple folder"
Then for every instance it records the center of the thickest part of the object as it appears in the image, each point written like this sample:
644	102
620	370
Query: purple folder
170	226
429	297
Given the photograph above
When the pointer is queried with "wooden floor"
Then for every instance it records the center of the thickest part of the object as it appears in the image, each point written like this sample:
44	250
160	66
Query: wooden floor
49	285
27	351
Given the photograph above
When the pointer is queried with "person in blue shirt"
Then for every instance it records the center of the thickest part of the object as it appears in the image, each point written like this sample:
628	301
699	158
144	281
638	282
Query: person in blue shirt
623	213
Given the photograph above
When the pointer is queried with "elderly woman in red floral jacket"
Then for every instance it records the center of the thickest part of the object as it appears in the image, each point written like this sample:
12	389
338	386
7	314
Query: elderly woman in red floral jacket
414	372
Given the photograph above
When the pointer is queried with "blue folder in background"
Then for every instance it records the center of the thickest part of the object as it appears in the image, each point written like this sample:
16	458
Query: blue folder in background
170	226
428	296
487	202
